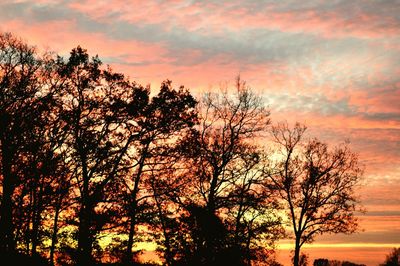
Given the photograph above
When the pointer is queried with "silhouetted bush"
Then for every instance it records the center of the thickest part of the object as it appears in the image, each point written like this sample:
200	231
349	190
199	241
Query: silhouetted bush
393	259
326	262
22	259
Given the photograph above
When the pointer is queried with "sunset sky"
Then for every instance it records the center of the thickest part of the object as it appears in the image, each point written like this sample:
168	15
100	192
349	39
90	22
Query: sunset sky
334	65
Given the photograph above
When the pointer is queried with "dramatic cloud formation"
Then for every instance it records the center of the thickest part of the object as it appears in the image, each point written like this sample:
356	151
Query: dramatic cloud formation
332	64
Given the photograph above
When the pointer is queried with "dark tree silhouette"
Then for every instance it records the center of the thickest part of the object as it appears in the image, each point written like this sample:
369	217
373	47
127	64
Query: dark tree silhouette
252	217
224	169
34	198
153	134
392	259
23	99
326	262
90	119
211	240
85	153
227	124
315	184
61	200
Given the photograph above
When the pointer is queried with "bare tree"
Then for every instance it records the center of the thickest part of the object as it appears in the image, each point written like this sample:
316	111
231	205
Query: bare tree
316	185
229	122
224	167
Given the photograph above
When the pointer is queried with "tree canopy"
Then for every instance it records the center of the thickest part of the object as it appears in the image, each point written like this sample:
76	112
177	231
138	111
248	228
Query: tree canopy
93	165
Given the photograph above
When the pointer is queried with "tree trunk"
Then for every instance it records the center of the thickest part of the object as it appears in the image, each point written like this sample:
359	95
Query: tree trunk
168	253
6	224
296	257
211	195
84	252
133	211
84	237
54	233
36	219
132	225
84	233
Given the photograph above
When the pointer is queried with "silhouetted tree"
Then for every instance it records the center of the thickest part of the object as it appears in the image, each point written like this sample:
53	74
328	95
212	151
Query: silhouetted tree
90	118
61	201
157	129
166	222
24	97
34	198
85	153
206	242
224	170
321	262
252	217
393	259
315	184
44	177
227	124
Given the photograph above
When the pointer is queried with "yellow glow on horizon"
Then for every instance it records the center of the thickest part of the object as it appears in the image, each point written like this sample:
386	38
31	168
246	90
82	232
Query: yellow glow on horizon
288	246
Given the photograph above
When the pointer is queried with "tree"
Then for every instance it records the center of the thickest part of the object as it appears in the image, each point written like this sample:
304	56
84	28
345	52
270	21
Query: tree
393	259
315	184
36	195
326	262
252	216
90	117
44	177
227	124
23	100
154	133
223	170
114	129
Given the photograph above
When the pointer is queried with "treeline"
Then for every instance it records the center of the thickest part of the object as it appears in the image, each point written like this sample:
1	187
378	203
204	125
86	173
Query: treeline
392	259
326	262
92	164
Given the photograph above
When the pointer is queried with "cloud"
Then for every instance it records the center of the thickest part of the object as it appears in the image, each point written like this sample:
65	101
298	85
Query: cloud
305	103
162	22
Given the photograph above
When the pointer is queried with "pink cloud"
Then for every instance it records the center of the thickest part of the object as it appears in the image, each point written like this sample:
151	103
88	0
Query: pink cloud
215	18
62	36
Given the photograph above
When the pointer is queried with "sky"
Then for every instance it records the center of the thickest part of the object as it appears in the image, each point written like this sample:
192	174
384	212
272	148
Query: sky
333	65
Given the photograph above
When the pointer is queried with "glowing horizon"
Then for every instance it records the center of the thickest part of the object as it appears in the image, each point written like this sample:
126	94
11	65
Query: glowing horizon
340	245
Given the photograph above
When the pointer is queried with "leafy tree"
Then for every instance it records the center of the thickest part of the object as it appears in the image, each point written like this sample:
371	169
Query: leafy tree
210	240
154	133
315	184
89	94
